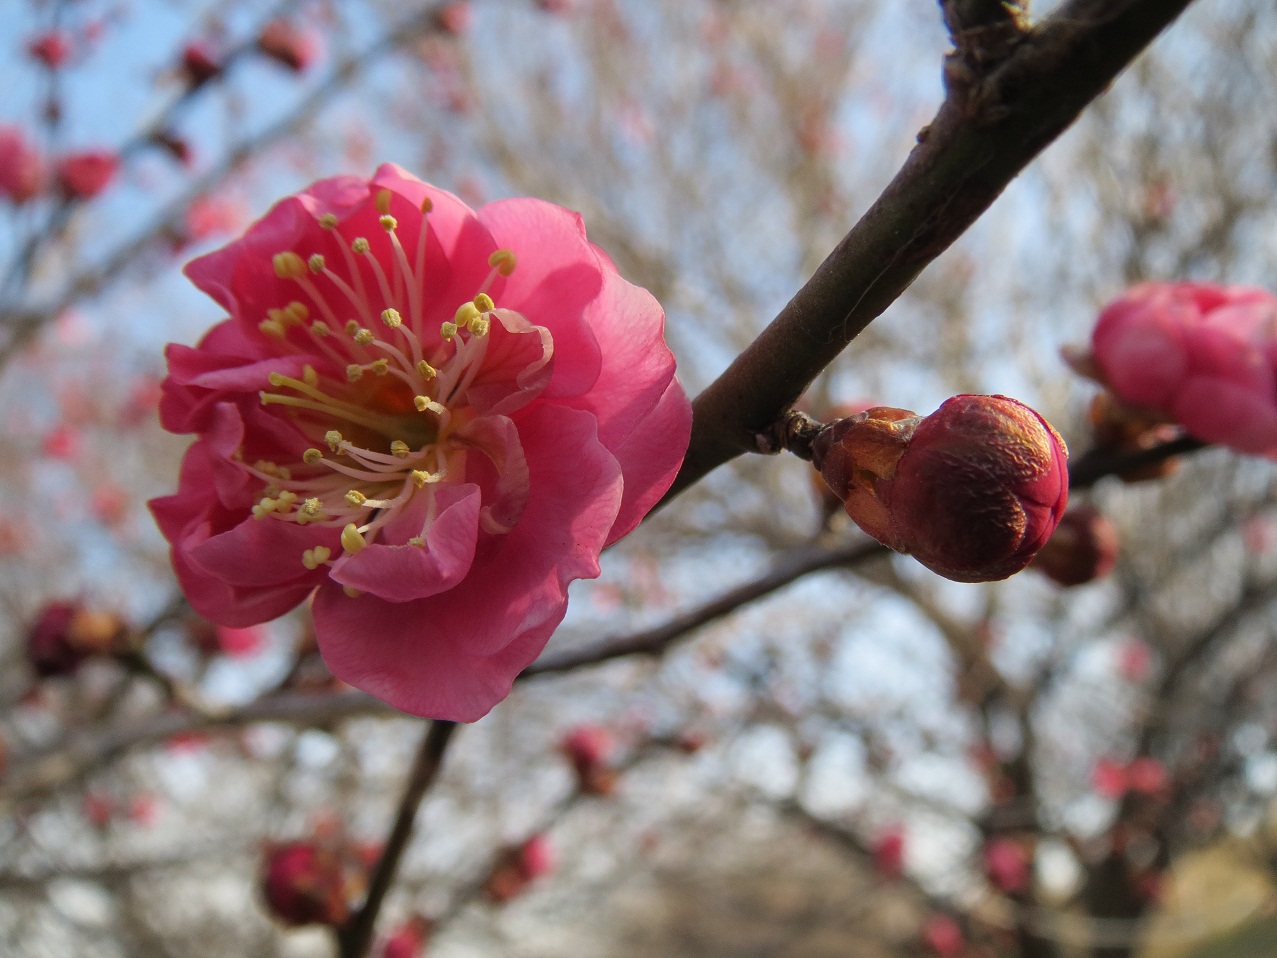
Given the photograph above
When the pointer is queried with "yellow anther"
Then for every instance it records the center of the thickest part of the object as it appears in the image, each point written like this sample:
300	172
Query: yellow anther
418	541
334	440
354	373
448	330
356	498
425	369
484	304
465	313
284	473
264	507
312	559
503	261
400	449
425	403
286	498
391	318
276	379
363	337
309	376
328	220
351	539
427	205
278	316
316	263
310	511
420	478
351	327
297	312
320	328
351	592
272	328
360	245
388	222
288	265
382	201
479	326
312	457
380	367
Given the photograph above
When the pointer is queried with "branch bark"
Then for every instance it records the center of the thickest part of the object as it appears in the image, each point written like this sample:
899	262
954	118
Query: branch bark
997	116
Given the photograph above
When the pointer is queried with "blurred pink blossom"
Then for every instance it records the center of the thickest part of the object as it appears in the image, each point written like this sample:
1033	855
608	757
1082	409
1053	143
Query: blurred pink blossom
296	46
1007	865
22	169
943	936
436	471
85	174
53	49
1199	354
889	852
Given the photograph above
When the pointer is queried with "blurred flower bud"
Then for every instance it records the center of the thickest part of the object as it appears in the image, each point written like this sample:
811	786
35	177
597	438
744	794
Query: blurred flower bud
1083	548
85	174
1007	865
409	939
306	883
65	634
972	491
943	936
889	853
590	748
1120	429
290	44
1147	776
98	809
455	17
22	169
53	49
519	866
200	63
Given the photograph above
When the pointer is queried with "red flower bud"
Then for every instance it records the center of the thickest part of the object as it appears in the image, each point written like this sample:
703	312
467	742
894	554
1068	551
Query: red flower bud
889	853
455	17
519	866
53	49
589	748
1083	548
292	45
65	634
1007	865
306	884
200	63
972	491
943	936
22	168
84	175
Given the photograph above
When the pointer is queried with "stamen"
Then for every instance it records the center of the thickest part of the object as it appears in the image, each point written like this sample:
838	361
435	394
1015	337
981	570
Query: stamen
288	265
400	449
356	498
360	246
320	328
351	327
354	372
427	371
424	403
310	511
351	592
503	261
382	201
316	263
421	478
448	330
363	337
351	539
427	204
312	559
312	457
388	223
484	304
465	313
272	328
328	221
309	376
264	507
391	318
334	440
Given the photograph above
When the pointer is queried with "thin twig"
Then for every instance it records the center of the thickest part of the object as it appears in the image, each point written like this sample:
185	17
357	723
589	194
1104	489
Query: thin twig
355	938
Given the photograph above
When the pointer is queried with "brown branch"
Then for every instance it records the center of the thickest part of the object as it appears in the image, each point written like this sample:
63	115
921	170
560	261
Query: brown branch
990	126
657	640
355	938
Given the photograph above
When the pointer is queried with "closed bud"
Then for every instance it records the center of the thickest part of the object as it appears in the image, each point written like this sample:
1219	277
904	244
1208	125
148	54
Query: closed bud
519	866
1083	548
65	634
306	883
972	491
589	748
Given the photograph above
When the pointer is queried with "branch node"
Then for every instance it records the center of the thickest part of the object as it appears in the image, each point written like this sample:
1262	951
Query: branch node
793	431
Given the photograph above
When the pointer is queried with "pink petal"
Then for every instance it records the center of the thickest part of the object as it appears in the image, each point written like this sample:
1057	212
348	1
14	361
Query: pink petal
399	573
456	654
517	365
558	276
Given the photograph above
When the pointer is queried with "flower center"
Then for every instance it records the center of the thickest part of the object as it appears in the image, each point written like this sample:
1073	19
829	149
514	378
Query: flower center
384	419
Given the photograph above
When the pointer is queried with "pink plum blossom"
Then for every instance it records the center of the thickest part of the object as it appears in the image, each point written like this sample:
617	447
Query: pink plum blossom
1198	354
53	49
889	852
431	418
295	46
